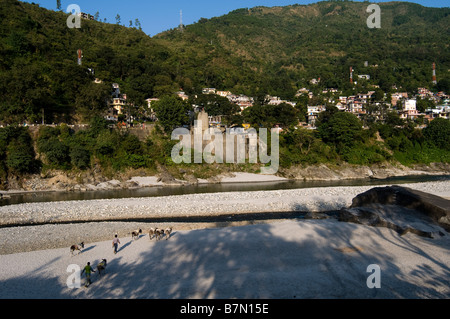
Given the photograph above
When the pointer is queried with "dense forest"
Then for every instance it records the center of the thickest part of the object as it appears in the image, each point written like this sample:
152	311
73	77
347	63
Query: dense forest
254	51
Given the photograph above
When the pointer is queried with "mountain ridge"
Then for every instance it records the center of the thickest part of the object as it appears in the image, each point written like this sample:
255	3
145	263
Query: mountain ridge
220	30
254	51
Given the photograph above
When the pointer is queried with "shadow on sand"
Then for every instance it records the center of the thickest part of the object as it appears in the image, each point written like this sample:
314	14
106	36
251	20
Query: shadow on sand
287	260
283	260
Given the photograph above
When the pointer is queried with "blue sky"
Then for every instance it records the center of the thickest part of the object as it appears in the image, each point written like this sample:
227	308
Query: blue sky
161	15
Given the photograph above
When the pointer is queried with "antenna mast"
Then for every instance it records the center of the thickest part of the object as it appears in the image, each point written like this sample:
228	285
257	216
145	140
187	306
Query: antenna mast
80	56
181	21
434	74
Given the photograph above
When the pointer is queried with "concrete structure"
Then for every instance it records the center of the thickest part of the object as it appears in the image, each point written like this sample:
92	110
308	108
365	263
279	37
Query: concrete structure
409	111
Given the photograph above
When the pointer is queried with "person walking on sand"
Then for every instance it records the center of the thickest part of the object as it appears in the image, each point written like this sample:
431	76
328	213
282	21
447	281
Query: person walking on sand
115	243
88	270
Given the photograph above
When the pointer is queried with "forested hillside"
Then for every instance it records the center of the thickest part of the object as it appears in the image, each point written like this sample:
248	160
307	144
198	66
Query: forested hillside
252	51
255	51
285	47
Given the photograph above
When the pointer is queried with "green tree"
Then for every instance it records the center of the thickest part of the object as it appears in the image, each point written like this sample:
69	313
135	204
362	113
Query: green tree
19	159
438	133
256	116
172	112
17	151
92	100
80	157
137	23
97	124
423	104
56	152
106	143
444	85
284	114
132	145
342	130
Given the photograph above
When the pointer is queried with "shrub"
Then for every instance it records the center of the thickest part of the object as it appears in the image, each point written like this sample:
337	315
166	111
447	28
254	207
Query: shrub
57	152
80	157
20	160
132	145
106	143
361	154
438	133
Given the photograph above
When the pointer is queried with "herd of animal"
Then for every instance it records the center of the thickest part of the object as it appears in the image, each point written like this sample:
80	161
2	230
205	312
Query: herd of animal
156	233
153	232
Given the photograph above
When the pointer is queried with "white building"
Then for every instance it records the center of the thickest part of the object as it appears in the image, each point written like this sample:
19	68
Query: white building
150	108
182	95
209	91
364	76
223	93
409	110
397	97
313	113
409	105
275	100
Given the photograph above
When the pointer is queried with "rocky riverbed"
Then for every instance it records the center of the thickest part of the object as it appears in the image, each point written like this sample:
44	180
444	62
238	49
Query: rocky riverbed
35	226
94	180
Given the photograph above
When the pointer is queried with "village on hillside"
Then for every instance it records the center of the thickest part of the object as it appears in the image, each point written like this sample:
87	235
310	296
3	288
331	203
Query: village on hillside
362	105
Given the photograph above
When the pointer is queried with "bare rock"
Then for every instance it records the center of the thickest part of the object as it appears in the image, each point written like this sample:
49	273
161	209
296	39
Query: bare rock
191	179
165	177
435	207
398	218
402	209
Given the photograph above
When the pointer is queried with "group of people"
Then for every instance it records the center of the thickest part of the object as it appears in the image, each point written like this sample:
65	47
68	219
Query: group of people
88	270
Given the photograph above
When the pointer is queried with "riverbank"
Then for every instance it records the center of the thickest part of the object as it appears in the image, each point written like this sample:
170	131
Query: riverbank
206	204
59	181
318	257
60	224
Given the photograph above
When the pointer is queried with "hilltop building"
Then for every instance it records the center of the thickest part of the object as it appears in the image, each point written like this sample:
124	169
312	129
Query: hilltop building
86	16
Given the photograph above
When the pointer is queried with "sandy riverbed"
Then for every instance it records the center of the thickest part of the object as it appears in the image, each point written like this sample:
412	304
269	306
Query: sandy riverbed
273	259
102	218
288	260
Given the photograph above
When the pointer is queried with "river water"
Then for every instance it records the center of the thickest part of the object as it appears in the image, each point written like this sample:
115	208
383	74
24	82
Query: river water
207	188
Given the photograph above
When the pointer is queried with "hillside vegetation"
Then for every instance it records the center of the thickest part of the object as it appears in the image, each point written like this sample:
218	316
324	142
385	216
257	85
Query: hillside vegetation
254	51
285	47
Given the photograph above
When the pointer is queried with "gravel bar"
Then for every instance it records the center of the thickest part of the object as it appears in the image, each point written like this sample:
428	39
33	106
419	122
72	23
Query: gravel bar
36	226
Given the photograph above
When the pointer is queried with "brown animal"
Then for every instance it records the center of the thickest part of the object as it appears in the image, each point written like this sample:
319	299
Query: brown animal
151	233
78	247
155	232
167	232
159	233
101	267
135	234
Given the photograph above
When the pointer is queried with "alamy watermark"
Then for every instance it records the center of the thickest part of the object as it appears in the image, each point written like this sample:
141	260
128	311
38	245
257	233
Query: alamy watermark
74	279
74	20
374	20
238	147
374	280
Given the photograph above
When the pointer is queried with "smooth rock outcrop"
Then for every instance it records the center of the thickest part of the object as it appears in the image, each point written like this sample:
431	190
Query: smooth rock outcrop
400	208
